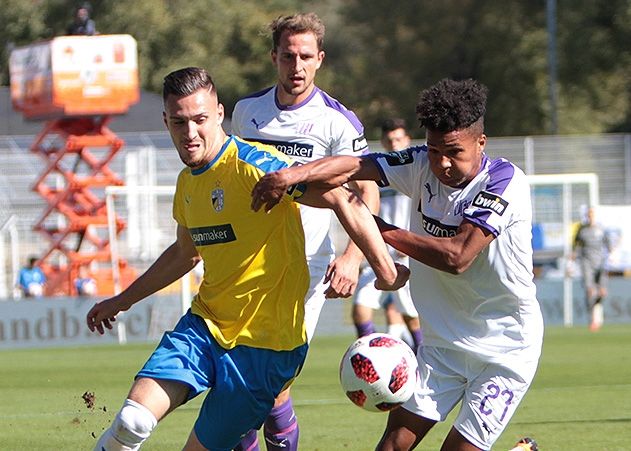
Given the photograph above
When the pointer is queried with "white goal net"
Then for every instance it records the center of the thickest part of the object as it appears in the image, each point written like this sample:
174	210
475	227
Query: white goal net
559	202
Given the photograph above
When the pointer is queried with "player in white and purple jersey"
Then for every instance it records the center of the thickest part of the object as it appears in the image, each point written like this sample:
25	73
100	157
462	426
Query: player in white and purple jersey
471	267
304	122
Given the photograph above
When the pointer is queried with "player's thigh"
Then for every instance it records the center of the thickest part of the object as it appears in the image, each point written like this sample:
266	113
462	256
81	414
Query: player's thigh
282	397
248	381
441	382
366	294
602	279
589	276
404	430
159	396
315	298
491	399
187	355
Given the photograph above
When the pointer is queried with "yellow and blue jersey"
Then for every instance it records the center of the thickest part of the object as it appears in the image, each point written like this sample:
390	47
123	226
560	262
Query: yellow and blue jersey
255	271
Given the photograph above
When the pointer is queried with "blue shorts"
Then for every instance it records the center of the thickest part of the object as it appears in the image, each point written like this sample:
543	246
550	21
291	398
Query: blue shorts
243	381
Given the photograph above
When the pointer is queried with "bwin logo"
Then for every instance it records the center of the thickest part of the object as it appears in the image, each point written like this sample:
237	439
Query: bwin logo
490	201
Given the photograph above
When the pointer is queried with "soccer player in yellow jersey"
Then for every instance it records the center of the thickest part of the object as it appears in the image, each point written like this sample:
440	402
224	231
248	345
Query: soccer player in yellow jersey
244	336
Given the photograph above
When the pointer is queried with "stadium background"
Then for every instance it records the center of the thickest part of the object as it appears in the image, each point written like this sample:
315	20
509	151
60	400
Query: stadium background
557	73
149	160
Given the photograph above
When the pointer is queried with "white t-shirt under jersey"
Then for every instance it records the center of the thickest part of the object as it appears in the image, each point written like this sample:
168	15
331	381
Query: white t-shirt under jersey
319	126
491	309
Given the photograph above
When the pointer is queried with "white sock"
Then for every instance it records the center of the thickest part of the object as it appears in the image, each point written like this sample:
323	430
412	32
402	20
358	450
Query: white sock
597	314
400	330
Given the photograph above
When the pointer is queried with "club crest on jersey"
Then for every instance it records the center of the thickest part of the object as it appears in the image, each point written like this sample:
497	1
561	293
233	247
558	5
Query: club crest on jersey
399	158
360	143
304	128
490	201
216	198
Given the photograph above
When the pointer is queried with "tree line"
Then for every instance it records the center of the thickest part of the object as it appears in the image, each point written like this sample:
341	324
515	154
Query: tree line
381	53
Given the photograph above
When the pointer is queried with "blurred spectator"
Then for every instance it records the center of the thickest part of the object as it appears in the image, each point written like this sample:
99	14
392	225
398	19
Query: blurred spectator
591	245
31	279
82	24
85	283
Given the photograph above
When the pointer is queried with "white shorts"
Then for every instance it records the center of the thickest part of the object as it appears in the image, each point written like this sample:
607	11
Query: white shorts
490	392
314	299
368	296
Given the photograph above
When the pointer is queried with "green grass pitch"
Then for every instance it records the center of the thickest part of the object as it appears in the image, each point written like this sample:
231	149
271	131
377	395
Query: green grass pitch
581	397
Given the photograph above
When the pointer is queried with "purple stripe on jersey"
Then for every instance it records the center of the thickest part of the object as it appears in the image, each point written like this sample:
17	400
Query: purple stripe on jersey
256	94
298	105
501	173
348	114
480	221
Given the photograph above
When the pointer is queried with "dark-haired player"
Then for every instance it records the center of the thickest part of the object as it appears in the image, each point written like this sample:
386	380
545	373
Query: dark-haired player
471	266
244	337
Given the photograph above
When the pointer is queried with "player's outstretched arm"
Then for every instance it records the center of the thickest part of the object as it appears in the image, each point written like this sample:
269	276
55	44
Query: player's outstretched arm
453	255
344	269
328	172
358	223
177	260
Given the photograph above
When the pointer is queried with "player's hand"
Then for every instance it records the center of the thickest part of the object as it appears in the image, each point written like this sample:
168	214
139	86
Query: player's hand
103	314
343	274
269	190
403	274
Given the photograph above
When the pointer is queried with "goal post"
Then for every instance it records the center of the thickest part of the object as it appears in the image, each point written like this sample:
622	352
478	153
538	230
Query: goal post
558	204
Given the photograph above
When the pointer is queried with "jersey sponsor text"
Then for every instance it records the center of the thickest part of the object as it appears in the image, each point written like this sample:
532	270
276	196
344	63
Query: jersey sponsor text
204	236
436	228
491	202
290	149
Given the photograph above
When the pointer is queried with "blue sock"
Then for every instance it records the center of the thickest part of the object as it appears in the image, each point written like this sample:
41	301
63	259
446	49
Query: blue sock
366	328
417	336
249	442
281	428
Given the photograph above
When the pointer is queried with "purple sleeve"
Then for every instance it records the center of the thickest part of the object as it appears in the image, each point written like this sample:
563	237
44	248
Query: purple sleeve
489	201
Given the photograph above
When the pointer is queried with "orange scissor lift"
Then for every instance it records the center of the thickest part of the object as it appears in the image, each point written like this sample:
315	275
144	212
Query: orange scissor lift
76	83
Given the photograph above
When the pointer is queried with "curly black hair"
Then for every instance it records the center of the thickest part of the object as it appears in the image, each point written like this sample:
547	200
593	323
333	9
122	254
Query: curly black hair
452	105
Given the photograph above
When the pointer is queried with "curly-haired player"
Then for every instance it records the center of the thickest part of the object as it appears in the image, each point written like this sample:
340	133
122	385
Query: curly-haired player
471	266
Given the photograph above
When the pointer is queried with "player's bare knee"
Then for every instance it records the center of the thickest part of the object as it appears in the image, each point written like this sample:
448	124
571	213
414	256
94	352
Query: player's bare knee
133	424
281	398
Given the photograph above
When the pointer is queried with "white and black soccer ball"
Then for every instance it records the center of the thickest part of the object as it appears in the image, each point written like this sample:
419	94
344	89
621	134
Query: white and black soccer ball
378	372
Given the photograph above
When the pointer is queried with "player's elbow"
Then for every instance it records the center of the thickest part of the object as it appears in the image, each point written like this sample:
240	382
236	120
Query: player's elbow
341	198
456	263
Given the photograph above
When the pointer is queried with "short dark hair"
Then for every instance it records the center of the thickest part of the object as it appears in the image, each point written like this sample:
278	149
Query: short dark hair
452	105
184	82
297	23
392	124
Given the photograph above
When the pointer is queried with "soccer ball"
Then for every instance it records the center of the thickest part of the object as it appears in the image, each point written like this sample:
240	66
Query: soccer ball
378	372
